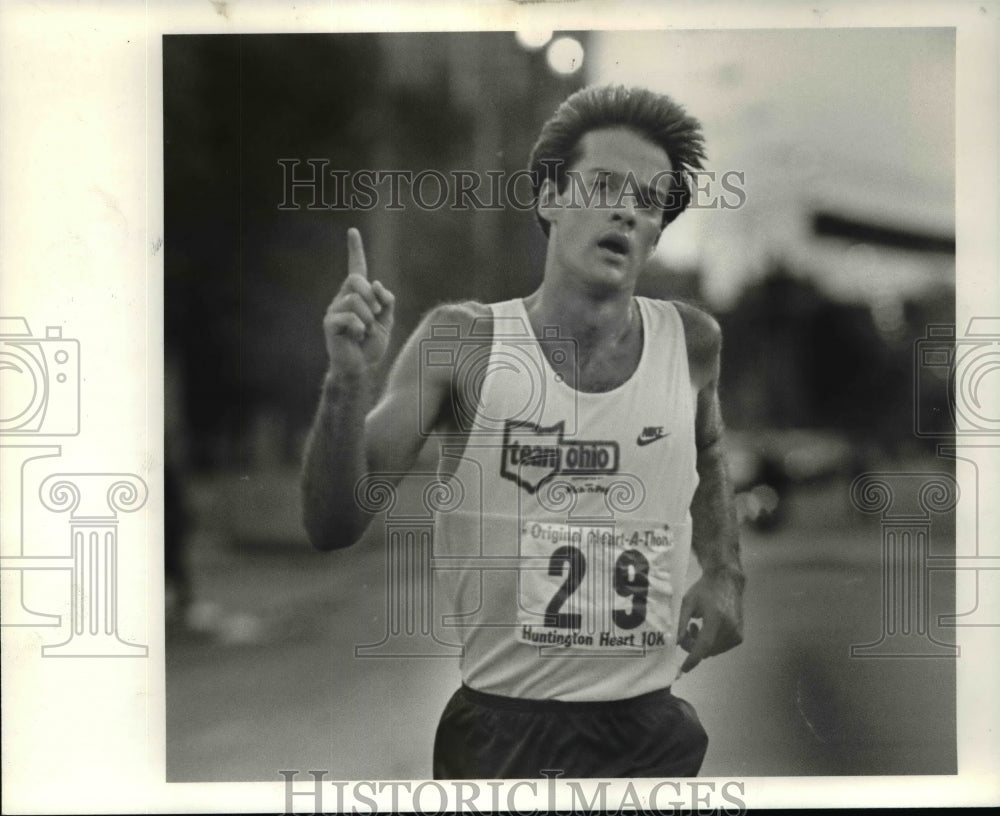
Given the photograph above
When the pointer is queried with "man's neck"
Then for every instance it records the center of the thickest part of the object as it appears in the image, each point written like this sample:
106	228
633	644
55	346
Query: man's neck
593	321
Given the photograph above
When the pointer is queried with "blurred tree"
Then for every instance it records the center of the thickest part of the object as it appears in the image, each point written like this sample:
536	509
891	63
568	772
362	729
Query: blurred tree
246	284
794	358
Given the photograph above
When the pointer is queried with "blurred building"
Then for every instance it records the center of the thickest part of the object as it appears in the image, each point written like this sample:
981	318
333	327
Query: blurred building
844	146
460	102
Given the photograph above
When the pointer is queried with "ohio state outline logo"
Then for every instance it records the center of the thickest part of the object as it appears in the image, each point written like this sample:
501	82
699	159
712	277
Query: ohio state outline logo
532	454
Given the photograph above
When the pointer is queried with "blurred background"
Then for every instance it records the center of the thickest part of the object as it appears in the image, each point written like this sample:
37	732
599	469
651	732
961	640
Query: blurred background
825	280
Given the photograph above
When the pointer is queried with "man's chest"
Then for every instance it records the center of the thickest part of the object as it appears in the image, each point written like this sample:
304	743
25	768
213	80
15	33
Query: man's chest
597	370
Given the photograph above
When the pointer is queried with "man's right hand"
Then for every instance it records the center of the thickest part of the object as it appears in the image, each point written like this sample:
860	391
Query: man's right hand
358	321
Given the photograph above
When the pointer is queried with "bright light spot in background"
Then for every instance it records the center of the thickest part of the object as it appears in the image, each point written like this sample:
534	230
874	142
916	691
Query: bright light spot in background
565	55
532	39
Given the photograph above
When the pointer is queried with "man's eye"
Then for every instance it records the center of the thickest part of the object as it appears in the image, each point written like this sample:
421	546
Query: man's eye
637	200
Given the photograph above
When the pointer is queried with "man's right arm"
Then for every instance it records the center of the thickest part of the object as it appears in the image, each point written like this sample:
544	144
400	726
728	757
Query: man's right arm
345	443
356	328
334	460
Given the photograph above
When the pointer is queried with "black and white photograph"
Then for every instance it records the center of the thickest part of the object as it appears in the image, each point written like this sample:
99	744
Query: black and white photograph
525	410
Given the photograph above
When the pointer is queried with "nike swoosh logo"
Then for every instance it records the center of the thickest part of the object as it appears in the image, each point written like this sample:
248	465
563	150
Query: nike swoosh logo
645	440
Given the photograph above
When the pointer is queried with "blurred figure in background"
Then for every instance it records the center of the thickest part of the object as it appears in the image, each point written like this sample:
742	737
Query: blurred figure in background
609	174
177	518
176	530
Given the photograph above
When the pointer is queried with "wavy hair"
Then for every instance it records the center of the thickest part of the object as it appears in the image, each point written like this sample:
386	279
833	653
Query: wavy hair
653	116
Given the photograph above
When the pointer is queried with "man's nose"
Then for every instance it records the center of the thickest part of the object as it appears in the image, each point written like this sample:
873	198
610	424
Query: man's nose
625	211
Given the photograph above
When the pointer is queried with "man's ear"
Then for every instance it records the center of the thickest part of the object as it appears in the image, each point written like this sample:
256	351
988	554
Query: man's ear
549	205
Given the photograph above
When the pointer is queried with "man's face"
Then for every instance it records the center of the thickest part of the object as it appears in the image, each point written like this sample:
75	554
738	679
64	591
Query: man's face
605	224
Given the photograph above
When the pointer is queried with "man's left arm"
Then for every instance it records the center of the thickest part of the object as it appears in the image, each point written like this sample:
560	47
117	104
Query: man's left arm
717	596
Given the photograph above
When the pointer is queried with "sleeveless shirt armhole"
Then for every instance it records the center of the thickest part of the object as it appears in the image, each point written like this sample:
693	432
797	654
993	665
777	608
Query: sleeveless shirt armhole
672	314
681	335
501	310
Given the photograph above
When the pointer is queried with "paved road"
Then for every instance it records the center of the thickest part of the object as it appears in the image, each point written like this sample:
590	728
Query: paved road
275	684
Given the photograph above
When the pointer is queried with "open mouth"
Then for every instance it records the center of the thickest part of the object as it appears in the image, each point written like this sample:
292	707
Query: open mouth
617	244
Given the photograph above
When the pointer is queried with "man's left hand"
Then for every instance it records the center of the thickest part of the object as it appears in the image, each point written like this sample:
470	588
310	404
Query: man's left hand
717	599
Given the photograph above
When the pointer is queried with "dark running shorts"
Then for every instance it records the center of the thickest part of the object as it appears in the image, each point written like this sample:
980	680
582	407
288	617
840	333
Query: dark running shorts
484	736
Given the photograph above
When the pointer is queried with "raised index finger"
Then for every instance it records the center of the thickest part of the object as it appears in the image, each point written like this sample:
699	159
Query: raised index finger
356	264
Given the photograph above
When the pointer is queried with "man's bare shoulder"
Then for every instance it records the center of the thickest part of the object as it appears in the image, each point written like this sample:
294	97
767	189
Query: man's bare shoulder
467	319
448	333
703	338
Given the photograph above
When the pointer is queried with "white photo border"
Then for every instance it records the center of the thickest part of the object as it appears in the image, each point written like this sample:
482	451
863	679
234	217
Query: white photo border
81	215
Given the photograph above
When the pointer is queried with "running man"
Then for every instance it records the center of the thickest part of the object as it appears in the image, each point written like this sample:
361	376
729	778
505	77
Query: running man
568	659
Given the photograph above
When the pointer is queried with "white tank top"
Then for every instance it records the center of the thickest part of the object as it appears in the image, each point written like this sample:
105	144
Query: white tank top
567	549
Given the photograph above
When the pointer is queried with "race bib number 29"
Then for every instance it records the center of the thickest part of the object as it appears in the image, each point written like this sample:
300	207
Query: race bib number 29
602	588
